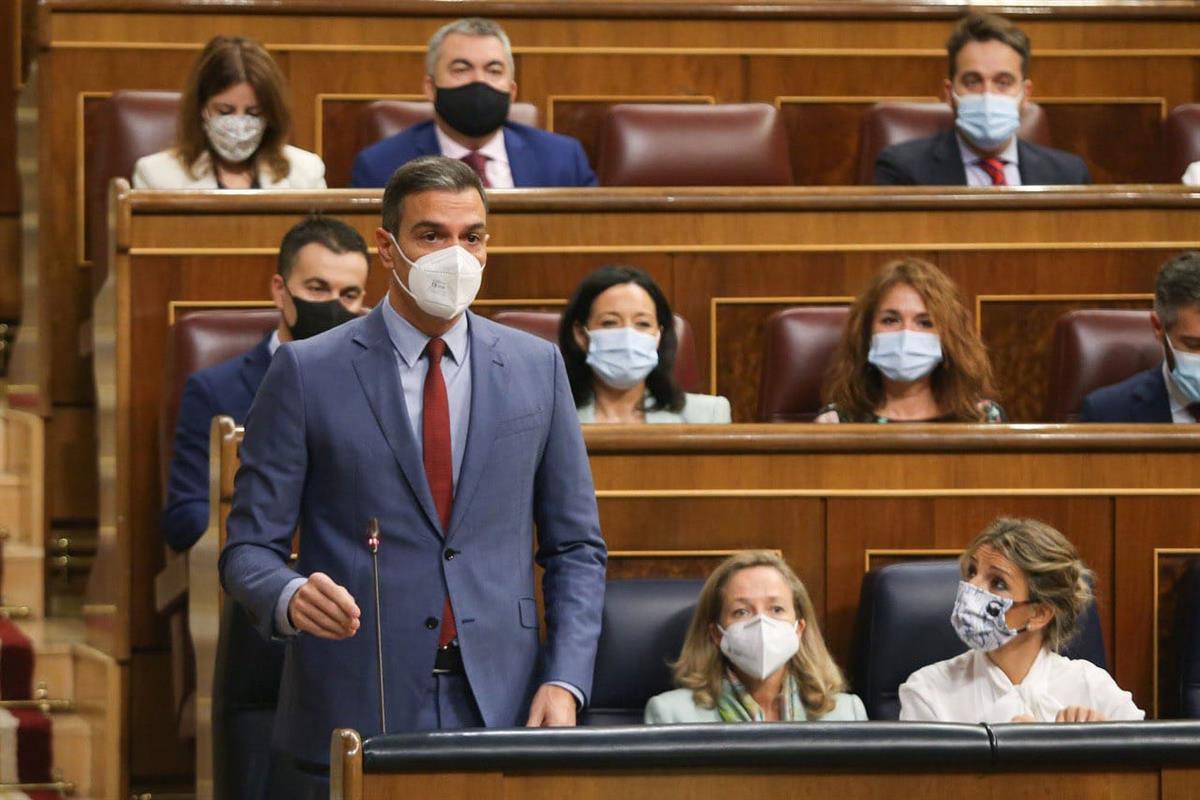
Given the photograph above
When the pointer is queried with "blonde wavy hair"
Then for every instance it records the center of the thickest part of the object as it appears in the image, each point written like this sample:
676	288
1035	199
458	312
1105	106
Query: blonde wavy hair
701	664
1057	577
960	383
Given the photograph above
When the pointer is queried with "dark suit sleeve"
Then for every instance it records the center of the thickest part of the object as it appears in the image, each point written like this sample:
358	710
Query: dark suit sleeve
186	515
1088	411
267	493
570	547
583	170
1084	177
890	172
360	173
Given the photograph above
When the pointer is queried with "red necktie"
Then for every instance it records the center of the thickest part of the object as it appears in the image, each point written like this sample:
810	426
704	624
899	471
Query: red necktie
478	162
994	167
439	459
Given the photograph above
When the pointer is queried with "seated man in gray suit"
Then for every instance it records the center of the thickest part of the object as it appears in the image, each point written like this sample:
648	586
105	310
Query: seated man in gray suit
988	87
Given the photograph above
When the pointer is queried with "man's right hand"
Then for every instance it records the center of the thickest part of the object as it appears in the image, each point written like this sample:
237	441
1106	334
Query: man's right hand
323	608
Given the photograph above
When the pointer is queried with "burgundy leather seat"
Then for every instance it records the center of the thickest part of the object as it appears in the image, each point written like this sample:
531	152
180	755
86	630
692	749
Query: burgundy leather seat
385	118
678	144
1181	141
545	324
120	130
1095	348
890	123
799	343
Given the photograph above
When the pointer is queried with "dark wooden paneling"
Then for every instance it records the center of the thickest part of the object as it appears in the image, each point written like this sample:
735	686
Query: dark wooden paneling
823	140
1121	142
858	524
1170	569
341	138
155	749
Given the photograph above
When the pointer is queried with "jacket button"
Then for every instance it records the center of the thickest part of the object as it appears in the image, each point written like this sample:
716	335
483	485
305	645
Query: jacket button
431	622
451	553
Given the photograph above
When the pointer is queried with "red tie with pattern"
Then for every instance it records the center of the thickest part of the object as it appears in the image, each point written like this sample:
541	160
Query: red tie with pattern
478	162
439	459
994	167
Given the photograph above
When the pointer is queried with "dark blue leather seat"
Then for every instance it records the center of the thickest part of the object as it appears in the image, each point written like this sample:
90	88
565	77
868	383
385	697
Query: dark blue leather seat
904	624
1188	636
643	628
245	692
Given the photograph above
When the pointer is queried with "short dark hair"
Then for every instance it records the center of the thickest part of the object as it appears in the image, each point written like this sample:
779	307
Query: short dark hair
987	28
661	380
422	175
1177	286
332	234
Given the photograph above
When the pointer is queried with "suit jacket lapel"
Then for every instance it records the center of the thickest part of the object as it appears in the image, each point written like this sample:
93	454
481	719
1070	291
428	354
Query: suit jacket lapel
521	163
1152	402
376	370
425	141
254	366
487	385
947	161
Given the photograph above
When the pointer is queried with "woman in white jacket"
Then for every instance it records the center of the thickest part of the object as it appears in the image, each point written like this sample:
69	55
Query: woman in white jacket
1023	589
234	121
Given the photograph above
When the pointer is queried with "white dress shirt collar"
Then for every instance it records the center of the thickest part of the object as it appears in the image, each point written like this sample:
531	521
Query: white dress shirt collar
975	173
497	168
410	342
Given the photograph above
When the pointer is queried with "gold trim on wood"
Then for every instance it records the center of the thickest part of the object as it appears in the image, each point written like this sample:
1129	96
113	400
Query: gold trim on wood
175	306
746	301
1158	552
931	552
519	301
319	111
789	99
980	299
676	553
80	177
1161	102
687	99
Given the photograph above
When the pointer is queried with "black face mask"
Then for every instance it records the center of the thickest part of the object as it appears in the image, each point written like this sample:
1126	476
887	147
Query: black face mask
474	110
313	318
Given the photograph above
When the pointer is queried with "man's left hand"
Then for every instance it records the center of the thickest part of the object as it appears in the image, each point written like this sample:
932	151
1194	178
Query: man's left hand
552	707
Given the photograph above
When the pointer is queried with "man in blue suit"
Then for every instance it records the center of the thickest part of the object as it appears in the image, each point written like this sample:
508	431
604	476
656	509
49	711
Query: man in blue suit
455	437
320	278
469	78
1169	392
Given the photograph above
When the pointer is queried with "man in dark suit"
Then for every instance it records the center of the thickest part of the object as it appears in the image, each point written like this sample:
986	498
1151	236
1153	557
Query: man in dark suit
320	279
988	87
452	436
470	81
1169	392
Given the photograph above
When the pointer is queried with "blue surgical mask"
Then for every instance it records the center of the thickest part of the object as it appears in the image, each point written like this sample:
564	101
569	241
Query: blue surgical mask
1186	372
986	119
622	357
905	356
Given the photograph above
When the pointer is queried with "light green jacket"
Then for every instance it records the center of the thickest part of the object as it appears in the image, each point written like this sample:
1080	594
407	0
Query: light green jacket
677	706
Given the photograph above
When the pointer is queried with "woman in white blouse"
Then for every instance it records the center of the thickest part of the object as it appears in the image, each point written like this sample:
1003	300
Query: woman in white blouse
1023	591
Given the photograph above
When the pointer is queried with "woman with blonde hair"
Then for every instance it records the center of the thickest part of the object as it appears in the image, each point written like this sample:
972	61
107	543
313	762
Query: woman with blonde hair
909	353
1022	593
754	652
234	122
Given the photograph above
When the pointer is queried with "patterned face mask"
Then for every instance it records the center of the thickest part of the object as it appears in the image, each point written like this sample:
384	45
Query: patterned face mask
978	618
235	137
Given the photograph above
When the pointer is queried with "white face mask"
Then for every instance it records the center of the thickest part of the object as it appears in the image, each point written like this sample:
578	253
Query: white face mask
987	120
761	645
235	137
1186	372
443	283
978	618
622	357
905	356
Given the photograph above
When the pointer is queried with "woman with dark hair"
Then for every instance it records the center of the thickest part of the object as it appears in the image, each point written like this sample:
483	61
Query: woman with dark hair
909	353
618	341
234	121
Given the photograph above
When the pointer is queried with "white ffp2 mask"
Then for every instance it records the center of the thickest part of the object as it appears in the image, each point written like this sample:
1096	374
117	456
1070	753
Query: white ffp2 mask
760	645
443	283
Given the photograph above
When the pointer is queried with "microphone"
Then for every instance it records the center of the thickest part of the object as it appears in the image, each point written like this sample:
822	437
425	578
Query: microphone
373	547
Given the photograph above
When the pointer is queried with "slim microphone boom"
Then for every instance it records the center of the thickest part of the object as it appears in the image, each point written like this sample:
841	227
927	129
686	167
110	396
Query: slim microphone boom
373	546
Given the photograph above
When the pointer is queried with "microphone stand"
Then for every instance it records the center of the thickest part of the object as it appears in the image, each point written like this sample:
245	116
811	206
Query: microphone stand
373	547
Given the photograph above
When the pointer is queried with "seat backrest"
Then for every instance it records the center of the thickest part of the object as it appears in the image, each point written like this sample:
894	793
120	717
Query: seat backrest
1187	635
892	122
197	340
679	144
121	129
644	625
245	692
545	325
904	624
384	118
1095	348
798	345
1181	141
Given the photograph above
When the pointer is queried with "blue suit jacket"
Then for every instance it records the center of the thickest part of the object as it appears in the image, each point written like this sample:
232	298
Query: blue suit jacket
1142	398
537	158
329	446
936	161
222	389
